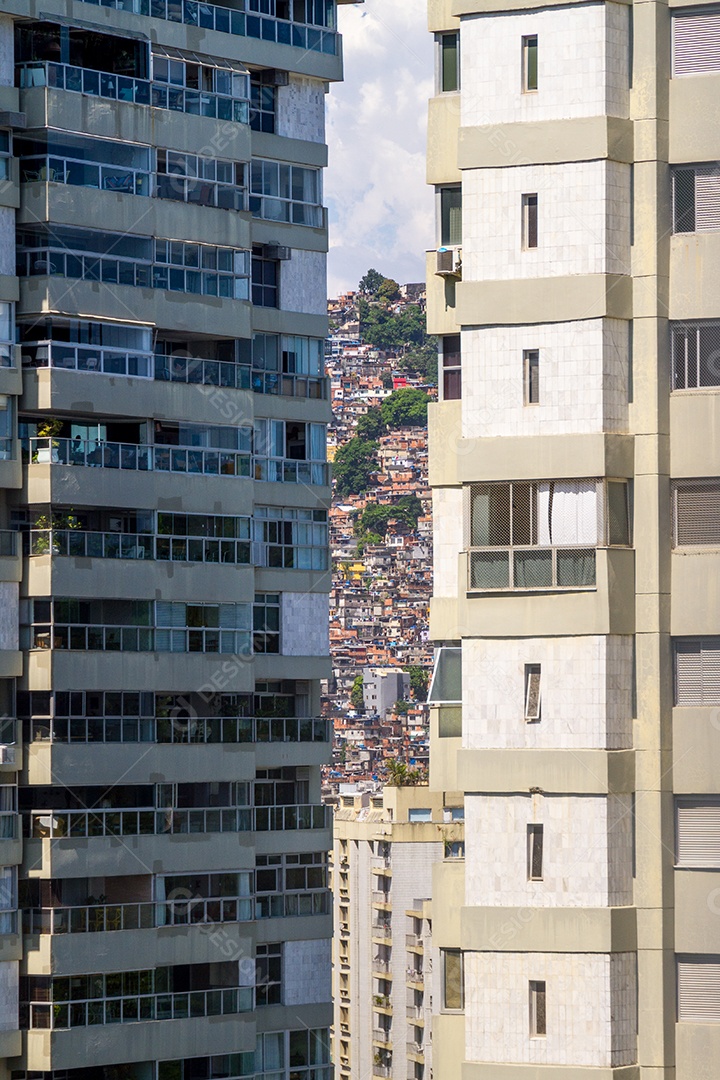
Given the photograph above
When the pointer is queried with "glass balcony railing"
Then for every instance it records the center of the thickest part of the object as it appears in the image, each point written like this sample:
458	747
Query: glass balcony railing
136	1008
178	369
102	918
197	729
136	457
235	21
530	568
84	824
135	91
78	543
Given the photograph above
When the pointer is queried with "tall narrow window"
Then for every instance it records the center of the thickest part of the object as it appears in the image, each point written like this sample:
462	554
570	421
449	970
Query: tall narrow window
530	63
451	373
531	366
451	216
449	63
535	852
529	221
452	974
538	1022
532	692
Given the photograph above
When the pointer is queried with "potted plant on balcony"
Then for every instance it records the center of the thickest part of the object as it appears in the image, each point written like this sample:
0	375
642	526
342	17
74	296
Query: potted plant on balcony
48	429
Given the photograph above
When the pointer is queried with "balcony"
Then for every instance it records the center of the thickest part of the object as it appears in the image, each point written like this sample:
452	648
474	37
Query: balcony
237	21
381	967
159	95
415	978
136	1007
381	1037
415	1013
381	897
160	367
104	918
414	941
137	457
84	824
193	730
527	569
416	1050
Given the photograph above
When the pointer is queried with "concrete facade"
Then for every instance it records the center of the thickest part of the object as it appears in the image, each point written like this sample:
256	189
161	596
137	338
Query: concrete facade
164	895
585	908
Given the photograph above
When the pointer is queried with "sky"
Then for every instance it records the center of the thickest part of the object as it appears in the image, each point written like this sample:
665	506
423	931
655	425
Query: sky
381	210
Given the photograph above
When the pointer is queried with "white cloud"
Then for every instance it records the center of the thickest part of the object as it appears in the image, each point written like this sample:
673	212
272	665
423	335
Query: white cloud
381	210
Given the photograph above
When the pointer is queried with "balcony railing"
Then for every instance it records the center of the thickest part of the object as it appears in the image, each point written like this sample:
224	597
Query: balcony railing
380	897
135	91
415	1012
381	965
102	918
235	21
137	457
195	462
415	1048
80	543
530	568
381	1035
179	369
197	729
415	976
138	1008
51	824
413	941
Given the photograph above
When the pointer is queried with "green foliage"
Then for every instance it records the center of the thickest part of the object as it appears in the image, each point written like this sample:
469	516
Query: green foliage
372	524
401	708
401	775
419	681
380	327
405	408
356	694
370	283
354	466
388	291
422	361
370	426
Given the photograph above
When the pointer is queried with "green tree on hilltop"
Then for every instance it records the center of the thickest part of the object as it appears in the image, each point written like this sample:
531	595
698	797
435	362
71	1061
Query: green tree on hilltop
354	466
405	408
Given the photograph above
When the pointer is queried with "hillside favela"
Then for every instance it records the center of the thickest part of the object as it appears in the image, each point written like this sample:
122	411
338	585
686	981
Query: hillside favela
359	540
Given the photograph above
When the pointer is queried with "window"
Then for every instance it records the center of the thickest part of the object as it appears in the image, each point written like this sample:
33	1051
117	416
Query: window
7	425
263	102
529	222
695	355
290	539
697	825
201	180
532	692
266	623
538	1021
451	216
531	376
420	813
290	193
62	158
696	43
268	975
265	280
446	682
530	64
451	368
696	198
535	852
453	982
697	671
696	513
698	989
5	155
449	62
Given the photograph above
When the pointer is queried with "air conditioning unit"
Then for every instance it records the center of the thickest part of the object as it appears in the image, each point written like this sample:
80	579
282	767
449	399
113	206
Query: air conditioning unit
277	251
278	78
449	263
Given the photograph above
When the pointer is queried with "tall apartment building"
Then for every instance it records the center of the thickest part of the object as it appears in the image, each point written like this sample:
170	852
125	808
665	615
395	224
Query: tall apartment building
574	148
163	553
385	851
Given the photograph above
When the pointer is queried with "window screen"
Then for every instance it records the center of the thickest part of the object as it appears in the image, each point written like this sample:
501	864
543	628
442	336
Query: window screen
697	671
696	513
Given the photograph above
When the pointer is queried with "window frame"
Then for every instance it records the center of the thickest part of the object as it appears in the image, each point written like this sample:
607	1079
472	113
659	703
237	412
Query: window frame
537	993
530	221
533	686
441	69
529	44
531	377
535	852
456	954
